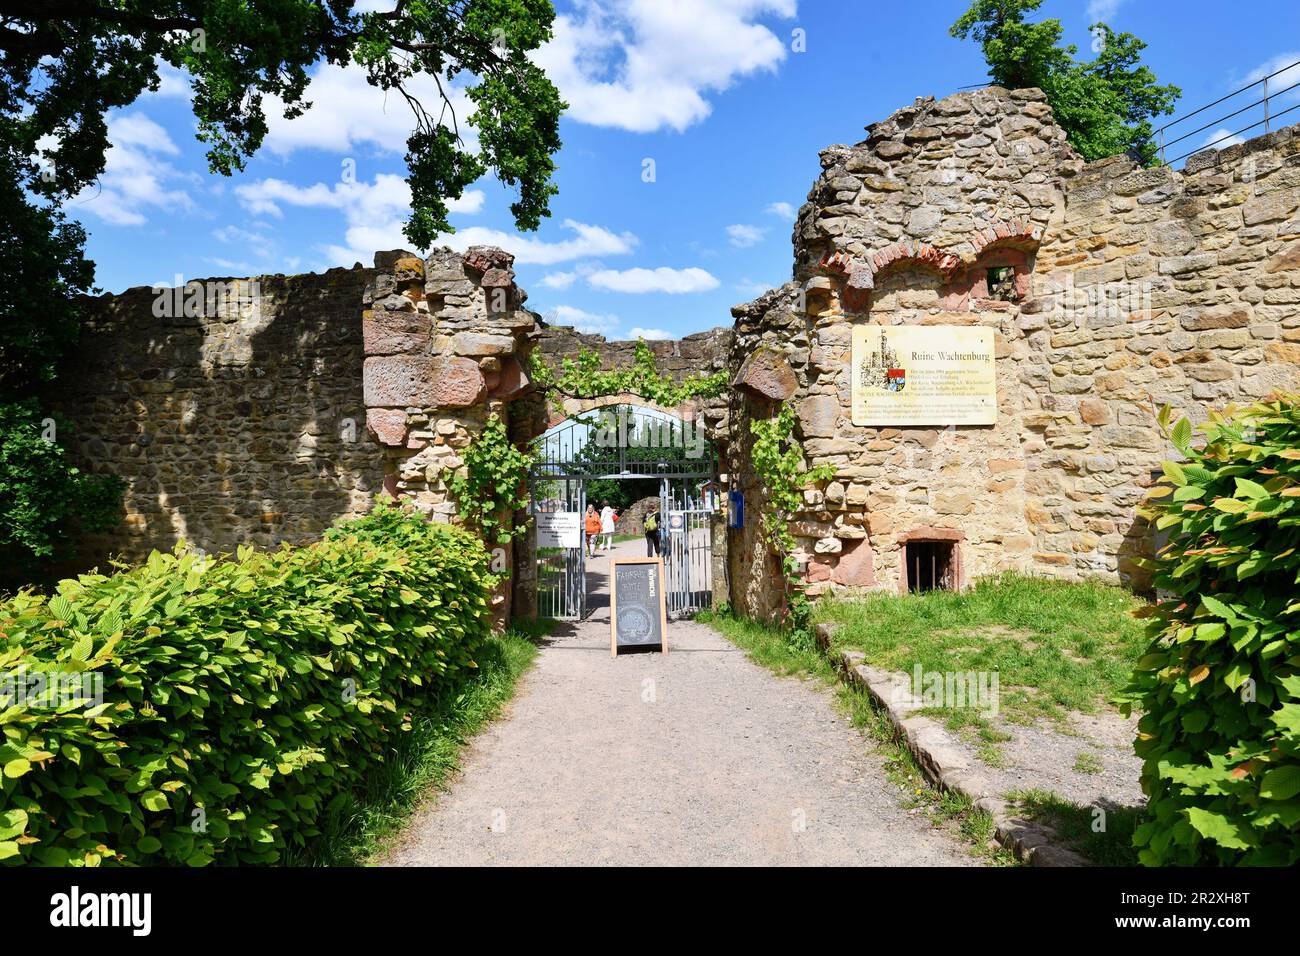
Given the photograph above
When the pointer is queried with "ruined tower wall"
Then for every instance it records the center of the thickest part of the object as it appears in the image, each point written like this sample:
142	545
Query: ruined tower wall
1116	289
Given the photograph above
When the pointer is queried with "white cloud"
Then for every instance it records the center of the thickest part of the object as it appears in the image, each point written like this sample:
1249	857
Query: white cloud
649	334
558	280
782	210
259	242
588	242
348	113
663	279
642	65
582	320
1222	138
172	83
1103	11
1287	77
742	236
374	211
136	179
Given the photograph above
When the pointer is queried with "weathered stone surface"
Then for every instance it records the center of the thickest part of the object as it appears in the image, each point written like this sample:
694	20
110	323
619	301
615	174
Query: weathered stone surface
1228	316
398	380
511	381
766	374
408	269
456	383
855	568
387	425
480	343
818	415
394	333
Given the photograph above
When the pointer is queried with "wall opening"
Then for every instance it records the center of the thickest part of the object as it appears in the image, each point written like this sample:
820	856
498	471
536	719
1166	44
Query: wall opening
1001	281
930	566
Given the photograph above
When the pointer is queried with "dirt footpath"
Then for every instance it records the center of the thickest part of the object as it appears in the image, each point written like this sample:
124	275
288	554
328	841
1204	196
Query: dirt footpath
697	757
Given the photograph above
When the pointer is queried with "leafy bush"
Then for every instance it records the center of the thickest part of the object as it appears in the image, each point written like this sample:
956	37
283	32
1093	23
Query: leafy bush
44	498
1219	686
242	697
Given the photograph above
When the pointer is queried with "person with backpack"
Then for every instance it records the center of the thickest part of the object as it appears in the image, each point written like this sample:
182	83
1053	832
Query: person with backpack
652	532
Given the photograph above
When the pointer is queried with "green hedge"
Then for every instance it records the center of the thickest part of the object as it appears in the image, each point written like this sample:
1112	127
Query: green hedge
241	695
1219	686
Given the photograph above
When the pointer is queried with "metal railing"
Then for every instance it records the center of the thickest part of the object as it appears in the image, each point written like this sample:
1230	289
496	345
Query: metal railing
1266	100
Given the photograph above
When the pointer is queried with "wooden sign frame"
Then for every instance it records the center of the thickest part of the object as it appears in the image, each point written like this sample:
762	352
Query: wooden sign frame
613	603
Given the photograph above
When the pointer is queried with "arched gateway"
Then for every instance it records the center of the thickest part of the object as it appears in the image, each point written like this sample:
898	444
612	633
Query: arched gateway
1034	310
613	452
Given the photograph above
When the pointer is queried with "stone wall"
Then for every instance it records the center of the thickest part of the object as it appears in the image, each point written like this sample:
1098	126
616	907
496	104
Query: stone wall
255	411
234	415
1127	288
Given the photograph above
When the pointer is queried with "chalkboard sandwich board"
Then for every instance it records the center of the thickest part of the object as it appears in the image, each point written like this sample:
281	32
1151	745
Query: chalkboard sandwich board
638	611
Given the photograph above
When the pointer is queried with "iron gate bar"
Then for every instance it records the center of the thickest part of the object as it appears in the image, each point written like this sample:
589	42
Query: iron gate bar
559	460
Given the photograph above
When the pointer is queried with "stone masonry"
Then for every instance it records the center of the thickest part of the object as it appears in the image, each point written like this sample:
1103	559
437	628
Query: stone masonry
244	425
1111	289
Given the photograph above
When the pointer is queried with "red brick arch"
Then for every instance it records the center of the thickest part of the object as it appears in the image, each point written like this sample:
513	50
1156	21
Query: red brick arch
859	275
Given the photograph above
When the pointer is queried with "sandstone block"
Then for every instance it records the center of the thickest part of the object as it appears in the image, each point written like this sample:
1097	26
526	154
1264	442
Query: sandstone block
512	380
478	344
952	503
408	269
1094	412
1227	316
855	567
818	415
388	425
766	374
394	333
417	380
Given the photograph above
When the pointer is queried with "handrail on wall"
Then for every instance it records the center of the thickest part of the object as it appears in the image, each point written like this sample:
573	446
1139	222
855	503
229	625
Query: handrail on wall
1267	122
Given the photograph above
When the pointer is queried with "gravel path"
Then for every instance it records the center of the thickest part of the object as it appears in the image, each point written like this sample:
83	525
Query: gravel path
697	757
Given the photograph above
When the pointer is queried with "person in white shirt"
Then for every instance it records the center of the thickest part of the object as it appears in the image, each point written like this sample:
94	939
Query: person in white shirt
607	518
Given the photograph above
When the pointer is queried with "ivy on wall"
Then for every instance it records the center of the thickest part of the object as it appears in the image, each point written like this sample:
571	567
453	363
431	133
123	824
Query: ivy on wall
493	485
778	463
583	378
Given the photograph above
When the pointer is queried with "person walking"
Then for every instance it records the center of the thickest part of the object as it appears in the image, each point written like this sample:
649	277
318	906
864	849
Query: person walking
652	532
608	516
591	525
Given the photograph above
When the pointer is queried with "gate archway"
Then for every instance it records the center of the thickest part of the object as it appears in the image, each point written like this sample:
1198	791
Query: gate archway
607	443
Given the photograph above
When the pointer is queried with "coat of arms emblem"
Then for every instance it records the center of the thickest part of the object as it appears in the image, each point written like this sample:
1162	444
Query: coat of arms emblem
882	368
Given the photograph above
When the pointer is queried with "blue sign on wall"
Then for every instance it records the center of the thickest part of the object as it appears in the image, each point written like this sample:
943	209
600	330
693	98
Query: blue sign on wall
736	516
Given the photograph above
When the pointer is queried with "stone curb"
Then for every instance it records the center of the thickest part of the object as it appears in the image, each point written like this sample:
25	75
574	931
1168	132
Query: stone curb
942	758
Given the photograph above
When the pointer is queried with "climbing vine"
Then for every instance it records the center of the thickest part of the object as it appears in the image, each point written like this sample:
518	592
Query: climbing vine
778	463
582	377
493	485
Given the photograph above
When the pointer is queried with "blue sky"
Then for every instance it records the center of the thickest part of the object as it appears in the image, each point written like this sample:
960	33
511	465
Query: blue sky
713	93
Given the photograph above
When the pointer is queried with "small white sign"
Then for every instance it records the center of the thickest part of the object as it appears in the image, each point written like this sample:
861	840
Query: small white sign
559	529
676	521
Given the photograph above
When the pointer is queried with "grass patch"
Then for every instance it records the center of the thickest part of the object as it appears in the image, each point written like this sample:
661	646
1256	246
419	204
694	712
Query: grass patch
424	759
1057	646
1074	825
771	648
1088	762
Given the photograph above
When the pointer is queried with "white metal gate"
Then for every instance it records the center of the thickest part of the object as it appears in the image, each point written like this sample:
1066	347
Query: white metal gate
566	457
688	561
561	571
